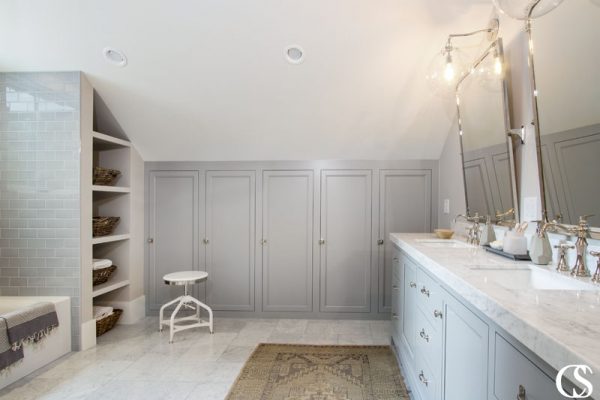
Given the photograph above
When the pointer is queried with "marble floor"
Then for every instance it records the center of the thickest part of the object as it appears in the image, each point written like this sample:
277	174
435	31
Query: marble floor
137	361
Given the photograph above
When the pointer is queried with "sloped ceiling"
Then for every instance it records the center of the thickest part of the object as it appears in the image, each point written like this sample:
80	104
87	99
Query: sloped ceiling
208	80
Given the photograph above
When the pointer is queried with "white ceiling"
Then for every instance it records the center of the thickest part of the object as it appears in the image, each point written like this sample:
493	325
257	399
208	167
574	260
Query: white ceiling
208	80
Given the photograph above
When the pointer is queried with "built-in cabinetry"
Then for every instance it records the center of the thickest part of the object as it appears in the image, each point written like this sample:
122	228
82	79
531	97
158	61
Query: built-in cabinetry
300	239
124	199
449	351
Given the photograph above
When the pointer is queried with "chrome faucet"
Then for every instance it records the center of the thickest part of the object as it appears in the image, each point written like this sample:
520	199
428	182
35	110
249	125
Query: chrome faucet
562	265
474	231
502	218
596	276
582	231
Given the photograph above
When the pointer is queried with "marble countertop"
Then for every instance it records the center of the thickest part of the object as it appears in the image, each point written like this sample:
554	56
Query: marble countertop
561	326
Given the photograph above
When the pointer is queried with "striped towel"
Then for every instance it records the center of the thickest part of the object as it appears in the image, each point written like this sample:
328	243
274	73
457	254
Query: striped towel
30	324
8	355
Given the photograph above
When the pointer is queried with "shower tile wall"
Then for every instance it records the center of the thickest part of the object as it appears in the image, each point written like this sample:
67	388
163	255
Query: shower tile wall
39	186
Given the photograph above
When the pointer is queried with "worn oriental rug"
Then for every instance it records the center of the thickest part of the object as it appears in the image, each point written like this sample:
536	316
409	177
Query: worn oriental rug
308	372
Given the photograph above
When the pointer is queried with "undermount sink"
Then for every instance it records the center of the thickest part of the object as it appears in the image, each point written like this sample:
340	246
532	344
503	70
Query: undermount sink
533	277
444	243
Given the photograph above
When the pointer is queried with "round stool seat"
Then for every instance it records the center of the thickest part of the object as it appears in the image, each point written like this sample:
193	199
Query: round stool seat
185	277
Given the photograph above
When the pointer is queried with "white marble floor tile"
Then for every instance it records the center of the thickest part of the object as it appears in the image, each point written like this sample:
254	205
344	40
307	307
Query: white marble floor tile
137	362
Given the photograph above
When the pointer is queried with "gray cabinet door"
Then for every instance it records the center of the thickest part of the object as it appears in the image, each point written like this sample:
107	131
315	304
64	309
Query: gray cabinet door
404	206
287	256
230	239
346	231
466	353
173	226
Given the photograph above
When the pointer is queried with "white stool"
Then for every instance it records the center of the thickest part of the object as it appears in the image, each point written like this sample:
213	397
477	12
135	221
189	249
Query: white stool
185	278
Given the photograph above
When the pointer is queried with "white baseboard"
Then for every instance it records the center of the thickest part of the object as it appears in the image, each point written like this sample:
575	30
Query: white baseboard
88	334
133	311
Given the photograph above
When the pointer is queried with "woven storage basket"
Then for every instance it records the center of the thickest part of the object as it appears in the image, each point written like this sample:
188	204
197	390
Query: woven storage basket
105	176
107	323
102	226
102	275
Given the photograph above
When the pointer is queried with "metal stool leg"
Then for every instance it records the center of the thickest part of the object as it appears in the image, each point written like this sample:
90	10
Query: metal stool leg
161	313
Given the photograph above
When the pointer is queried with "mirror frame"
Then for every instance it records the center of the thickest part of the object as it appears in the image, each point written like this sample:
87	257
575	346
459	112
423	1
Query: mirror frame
594	232
510	138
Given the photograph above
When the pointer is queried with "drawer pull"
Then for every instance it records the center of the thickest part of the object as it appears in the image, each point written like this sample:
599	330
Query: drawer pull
437	314
424	335
522	395
395	316
413	285
395	258
425	291
423	379
394	286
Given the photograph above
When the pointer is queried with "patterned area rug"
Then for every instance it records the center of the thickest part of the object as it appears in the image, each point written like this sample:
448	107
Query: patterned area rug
307	372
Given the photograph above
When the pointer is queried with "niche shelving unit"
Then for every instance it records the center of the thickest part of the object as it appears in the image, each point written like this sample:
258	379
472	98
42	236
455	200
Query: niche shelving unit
124	246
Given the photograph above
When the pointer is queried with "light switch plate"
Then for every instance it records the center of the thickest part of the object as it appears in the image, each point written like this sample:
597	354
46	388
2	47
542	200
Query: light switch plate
446	206
530	209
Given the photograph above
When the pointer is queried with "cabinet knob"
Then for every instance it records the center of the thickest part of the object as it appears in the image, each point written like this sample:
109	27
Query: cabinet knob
321	241
395	259
522	395
205	241
425	291
413	285
424	335
437	314
394	286
263	242
423	379
150	240
380	242
395	316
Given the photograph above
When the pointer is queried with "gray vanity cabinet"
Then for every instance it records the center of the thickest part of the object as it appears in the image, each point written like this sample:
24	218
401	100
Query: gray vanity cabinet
345	243
404	206
449	351
287	240
230	239
172	231
465	353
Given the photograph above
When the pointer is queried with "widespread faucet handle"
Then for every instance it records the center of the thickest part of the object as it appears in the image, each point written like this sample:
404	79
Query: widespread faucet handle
596	276
563	247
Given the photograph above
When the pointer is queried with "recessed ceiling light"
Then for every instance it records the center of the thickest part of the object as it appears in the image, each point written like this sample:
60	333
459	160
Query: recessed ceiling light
294	54
114	56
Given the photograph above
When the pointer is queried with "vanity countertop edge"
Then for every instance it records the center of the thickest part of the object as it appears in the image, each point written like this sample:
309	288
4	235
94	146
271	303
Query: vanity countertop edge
562	327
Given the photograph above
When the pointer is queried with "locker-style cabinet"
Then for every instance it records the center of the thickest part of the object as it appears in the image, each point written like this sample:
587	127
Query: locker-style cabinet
303	240
173	239
345	243
287	240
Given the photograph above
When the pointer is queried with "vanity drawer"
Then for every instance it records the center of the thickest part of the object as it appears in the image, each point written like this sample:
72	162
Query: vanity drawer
427	382
512	368
428	343
429	299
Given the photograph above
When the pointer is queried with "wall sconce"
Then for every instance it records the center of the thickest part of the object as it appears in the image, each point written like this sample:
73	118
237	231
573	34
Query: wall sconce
448	65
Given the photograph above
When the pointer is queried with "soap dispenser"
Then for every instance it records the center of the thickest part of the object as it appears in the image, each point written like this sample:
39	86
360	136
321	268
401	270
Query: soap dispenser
540	250
487	235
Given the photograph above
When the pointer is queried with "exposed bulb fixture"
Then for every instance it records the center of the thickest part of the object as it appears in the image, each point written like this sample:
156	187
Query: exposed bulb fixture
449	73
526	9
497	63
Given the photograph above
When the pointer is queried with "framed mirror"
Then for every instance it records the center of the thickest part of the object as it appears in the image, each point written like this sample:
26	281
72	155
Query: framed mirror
487	150
566	79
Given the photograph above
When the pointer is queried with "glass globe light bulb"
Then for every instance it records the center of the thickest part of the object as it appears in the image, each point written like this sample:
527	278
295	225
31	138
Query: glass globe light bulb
519	8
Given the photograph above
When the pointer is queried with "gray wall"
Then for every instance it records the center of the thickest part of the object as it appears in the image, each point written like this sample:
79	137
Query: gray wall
39	186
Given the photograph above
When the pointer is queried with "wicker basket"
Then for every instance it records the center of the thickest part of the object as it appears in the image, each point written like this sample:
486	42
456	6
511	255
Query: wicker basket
107	323
105	176
102	226
102	275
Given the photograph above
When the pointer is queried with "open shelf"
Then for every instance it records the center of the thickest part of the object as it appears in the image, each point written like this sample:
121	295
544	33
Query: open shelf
111	189
109	286
106	142
110	238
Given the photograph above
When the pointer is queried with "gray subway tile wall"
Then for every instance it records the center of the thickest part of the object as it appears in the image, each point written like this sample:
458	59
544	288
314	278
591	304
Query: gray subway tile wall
39	186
